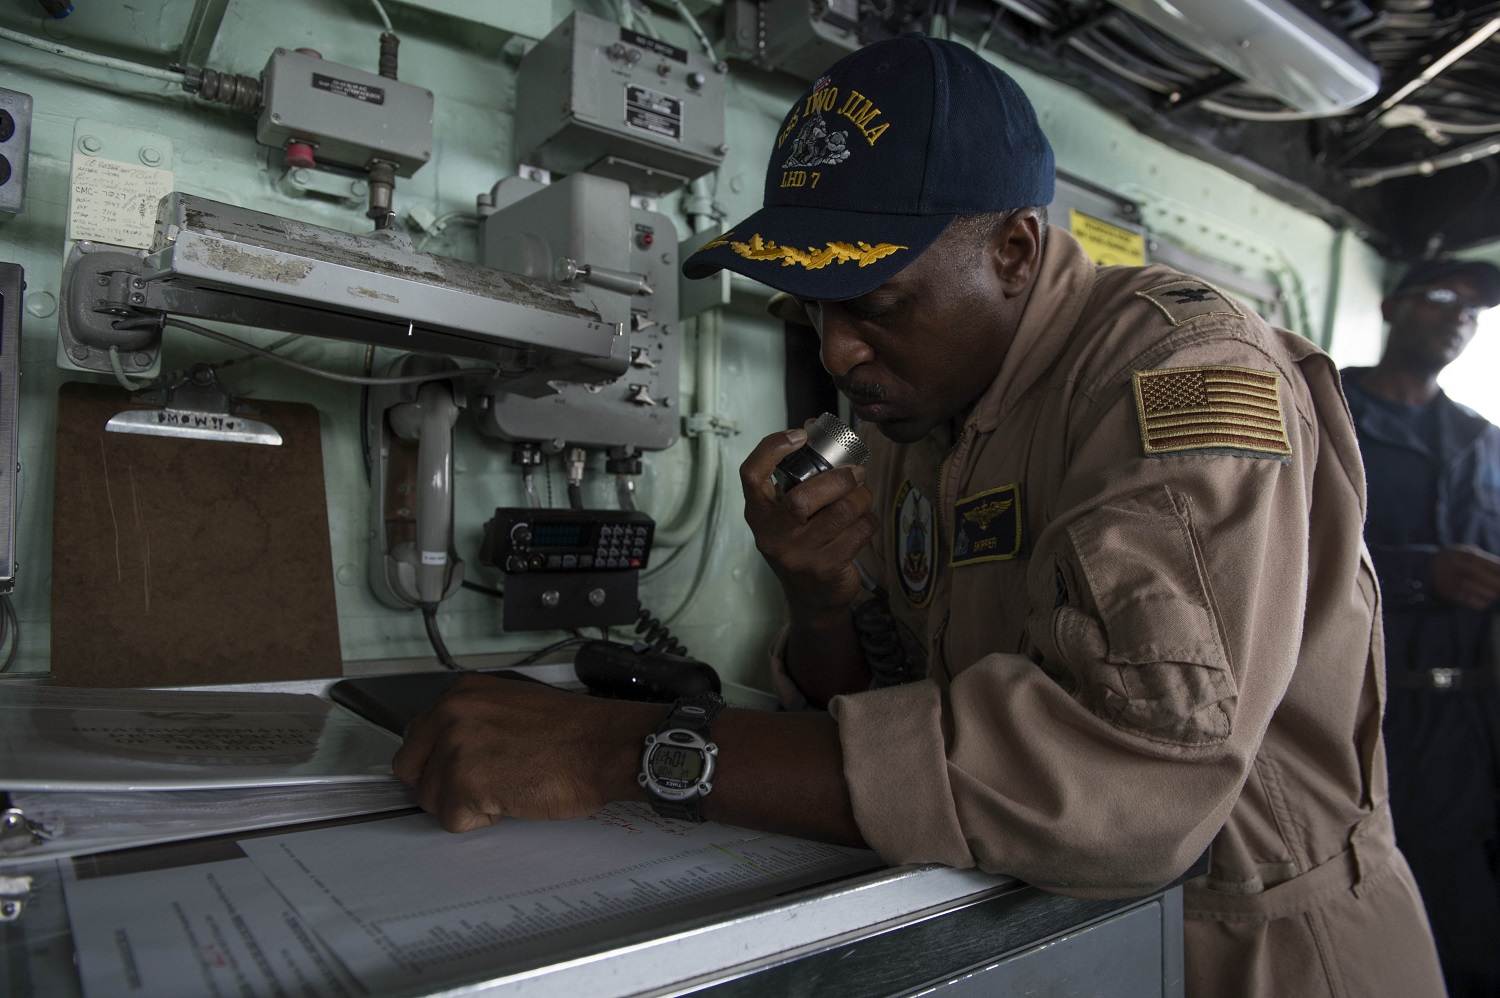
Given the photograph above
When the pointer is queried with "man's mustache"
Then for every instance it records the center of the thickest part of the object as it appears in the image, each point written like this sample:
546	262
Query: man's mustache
864	391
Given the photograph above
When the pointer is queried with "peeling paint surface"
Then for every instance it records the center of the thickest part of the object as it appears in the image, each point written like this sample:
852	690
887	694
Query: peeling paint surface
391	255
372	293
278	268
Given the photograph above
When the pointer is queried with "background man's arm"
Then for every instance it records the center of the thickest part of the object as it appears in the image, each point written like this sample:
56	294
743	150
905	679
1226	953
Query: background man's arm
825	660
1411	575
1466	575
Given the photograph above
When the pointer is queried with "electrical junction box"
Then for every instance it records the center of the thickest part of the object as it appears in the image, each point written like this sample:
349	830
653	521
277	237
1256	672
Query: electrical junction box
351	118
15	145
805	38
584	232
529	20
594	96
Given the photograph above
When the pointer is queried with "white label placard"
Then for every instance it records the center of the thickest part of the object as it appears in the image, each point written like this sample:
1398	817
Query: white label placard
113	202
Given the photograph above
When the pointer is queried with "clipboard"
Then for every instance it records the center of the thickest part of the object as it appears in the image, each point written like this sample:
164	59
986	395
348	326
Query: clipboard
184	562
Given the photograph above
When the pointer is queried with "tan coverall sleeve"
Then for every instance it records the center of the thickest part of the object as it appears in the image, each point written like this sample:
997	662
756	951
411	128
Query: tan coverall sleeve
1167	597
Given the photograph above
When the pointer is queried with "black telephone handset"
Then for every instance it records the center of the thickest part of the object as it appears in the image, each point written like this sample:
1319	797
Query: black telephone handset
638	672
605	668
392	701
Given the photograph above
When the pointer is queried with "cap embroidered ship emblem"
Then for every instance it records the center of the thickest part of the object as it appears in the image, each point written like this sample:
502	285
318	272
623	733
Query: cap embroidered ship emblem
815	145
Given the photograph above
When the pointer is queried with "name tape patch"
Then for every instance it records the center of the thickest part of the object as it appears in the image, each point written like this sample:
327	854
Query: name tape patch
987	526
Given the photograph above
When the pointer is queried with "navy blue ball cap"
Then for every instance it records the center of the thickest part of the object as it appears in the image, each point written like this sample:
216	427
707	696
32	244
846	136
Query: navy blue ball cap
1425	273
873	164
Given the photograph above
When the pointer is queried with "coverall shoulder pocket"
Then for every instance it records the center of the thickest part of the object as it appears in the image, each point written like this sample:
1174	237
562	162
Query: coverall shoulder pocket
1138	631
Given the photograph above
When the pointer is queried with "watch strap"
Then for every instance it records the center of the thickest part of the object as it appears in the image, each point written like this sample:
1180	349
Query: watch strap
695	713
689	809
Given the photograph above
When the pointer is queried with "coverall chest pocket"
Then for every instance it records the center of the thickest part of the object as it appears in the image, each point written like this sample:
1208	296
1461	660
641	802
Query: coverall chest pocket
990	606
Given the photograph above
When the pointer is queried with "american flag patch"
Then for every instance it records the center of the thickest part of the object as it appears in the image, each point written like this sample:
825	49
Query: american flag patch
1229	409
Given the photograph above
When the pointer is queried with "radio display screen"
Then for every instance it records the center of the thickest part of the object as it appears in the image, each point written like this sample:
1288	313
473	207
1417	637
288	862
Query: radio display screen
559	535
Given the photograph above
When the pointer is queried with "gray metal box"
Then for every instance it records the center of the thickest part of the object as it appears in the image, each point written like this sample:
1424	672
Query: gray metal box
594	96
15	145
590	220
351	117
794	36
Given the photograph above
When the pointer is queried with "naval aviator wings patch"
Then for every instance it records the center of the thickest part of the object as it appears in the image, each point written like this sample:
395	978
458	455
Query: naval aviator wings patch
987	526
1225	410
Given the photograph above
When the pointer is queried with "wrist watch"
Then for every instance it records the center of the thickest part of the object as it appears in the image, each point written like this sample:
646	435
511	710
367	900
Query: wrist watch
677	768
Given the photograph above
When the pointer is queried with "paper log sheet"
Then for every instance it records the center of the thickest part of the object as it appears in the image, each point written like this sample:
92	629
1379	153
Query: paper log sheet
399	904
211	930
473	904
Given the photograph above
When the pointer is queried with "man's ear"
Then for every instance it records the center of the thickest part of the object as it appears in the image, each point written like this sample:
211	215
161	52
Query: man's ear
1016	251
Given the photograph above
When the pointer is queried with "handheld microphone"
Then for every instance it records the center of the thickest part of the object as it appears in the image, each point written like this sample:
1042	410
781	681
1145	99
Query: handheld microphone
830	444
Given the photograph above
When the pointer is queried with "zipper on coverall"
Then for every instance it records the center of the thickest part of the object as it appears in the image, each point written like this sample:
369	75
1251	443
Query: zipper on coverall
940	637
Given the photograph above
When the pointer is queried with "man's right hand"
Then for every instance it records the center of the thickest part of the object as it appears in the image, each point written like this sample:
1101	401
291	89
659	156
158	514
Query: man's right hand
1467	576
810	534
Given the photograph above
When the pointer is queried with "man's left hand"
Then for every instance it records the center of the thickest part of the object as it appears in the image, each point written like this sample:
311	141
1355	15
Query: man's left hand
1466	575
494	748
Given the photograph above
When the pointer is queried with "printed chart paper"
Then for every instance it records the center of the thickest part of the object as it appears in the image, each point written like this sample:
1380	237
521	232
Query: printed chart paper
485	902
211	930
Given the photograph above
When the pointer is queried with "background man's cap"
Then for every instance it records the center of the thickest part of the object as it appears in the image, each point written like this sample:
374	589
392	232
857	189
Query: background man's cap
871	165
1486	276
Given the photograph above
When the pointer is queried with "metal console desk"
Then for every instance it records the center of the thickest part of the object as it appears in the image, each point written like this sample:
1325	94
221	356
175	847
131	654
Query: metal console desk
903	931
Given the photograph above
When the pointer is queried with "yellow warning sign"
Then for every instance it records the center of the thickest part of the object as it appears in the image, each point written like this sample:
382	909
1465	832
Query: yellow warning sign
1107	244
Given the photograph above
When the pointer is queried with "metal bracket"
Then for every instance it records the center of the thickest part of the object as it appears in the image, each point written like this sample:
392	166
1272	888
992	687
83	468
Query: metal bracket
18	833
302	181
101	285
533	173
194	406
709	422
14	889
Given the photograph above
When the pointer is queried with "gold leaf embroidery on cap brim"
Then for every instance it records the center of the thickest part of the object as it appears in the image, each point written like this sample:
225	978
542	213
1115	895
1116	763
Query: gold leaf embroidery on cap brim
813	258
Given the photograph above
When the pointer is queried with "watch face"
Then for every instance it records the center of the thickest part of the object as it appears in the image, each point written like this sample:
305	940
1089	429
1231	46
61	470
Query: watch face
676	767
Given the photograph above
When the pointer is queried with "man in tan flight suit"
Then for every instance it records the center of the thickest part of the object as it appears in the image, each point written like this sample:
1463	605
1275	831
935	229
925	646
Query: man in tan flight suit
1112	521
